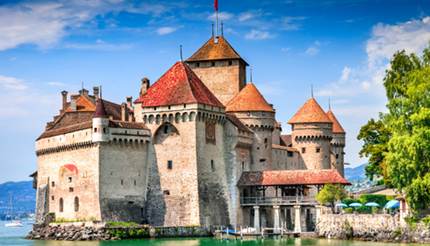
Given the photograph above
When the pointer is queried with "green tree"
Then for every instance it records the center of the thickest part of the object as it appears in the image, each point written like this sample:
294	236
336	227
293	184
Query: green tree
331	193
398	143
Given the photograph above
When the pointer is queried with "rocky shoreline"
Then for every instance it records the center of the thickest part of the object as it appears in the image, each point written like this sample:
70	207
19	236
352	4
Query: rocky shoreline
90	231
379	227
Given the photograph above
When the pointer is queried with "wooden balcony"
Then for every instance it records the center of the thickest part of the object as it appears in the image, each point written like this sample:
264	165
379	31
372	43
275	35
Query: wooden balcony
282	200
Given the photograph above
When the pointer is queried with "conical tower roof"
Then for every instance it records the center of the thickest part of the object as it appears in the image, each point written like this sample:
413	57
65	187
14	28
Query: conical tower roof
337	127
100	111
211	50
310	112
179	85
248	99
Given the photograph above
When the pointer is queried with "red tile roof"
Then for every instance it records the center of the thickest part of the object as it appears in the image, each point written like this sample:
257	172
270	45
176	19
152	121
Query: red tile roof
211	50
248	99
100	111
286	140
291	177
310	112
179	85
337	127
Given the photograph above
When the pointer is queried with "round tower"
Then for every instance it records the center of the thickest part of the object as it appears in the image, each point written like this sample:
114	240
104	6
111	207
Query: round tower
100	123
337	144
312	134
253	110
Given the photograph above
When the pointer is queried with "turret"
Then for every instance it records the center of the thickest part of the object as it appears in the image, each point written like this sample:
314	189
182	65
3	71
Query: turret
100	123
312	134
253	110
337	144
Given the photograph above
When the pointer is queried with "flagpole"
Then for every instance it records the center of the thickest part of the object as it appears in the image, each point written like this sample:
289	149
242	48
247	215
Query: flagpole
217	31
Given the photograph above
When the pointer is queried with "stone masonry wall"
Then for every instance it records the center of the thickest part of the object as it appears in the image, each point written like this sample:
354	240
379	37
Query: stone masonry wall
224	80
123	181
370	227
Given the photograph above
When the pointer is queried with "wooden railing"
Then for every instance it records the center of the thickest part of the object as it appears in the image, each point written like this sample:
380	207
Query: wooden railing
282	200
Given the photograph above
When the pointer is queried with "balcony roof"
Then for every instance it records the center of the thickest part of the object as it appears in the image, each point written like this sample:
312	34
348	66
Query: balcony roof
291	177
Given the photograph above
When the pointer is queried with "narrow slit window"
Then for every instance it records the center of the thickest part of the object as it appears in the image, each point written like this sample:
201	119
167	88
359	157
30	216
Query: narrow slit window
170	164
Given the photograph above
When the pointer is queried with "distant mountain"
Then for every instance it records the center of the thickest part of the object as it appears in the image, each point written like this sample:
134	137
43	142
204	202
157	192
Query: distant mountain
23	198
356	173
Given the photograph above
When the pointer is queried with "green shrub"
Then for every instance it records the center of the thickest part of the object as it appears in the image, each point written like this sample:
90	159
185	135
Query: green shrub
348	210
379	199
375	210
348	201
426	220
121	224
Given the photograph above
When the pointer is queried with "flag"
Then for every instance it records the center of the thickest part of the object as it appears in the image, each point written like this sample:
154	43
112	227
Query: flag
216	5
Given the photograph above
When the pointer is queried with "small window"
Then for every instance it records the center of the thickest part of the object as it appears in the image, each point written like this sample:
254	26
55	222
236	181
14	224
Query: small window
290	154
52	198
262	160
303	150
155	108
169	164
318	150
104	129
185	105
53	184
166	192
230	63
166	129
70	189
130	202
95	129
337	156
265	140
243	165
142	212
134	182
76	204
212	165
61	205
197	64
213	64
70	179
122	182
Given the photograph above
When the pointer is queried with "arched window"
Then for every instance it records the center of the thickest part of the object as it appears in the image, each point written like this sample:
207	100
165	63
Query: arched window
76	204
61	205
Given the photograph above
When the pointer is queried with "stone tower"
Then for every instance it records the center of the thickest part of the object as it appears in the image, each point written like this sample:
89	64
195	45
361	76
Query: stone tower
337	144
100	123
312	134
220	68
253	110
187	177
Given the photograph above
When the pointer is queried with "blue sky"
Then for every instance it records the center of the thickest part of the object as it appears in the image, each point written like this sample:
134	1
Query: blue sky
341	47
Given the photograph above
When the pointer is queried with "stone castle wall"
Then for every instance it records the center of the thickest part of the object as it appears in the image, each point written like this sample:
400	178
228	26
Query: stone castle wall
173	192
123	180
67	185
313	143
224	80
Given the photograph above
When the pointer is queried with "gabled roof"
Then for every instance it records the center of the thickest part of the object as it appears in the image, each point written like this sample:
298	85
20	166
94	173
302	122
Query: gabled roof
310	112
248	99
211	50
291	177
337	127
179	85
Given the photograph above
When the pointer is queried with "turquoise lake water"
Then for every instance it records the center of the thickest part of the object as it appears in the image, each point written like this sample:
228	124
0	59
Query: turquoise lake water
15	236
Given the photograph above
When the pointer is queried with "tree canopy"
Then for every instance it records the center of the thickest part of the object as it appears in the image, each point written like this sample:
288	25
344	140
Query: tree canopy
398	142
331	193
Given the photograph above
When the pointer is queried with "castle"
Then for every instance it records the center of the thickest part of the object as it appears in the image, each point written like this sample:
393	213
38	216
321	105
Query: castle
200	146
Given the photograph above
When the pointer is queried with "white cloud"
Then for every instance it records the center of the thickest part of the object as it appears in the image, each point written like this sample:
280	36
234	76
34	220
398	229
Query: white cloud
246	16
313	49
56	84
285	49
292	23
11	83
412	36
258	35
166	30
98	45
46	23
222	16
346	72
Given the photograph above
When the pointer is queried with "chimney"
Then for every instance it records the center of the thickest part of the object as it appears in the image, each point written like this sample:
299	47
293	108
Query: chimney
96	91
124	112
73	104
83	92
129	101
64	96
144	86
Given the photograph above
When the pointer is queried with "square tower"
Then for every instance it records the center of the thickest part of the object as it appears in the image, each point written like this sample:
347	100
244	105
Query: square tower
220	68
